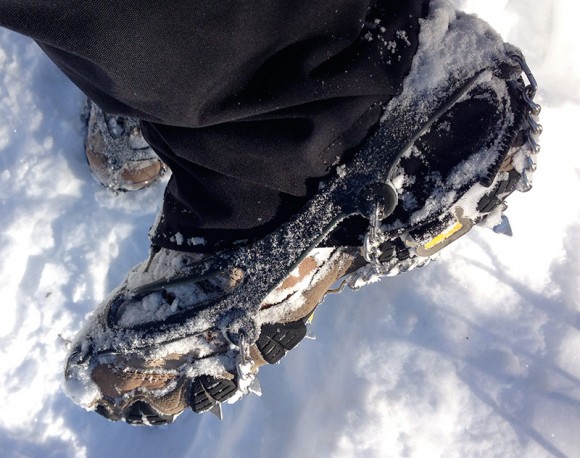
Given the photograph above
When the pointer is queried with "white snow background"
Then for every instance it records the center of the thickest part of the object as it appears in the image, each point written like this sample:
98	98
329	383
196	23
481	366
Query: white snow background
478	354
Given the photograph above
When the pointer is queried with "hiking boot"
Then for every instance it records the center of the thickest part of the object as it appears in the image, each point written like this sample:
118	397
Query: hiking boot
192	330
119	157
150	353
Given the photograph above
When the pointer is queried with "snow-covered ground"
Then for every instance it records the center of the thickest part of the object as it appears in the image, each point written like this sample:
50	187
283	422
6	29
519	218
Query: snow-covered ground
476	355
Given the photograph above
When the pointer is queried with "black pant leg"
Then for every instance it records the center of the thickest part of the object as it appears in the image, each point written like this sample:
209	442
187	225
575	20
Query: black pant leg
249	102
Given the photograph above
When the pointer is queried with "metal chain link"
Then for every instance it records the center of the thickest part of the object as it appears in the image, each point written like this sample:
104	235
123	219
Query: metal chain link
534	128
374	238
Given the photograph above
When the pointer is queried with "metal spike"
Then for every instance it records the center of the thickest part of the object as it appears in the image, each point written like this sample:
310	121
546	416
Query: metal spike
531	164
255	387
504	227
536	127
217	410
536	108
309	331
524	184
534	145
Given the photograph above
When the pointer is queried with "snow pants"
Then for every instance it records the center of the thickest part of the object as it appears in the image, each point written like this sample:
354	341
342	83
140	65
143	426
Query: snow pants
249	102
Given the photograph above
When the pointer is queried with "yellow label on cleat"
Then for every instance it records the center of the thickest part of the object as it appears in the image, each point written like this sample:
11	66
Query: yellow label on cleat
444	236
462	226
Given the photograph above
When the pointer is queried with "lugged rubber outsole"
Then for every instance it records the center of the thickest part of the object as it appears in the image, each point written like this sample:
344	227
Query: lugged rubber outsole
278	339
206	391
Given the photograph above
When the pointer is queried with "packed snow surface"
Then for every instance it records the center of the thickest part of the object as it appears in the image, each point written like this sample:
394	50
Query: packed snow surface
478	354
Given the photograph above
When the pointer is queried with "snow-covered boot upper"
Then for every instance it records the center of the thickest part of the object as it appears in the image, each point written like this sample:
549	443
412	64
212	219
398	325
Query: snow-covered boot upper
191	330
118	155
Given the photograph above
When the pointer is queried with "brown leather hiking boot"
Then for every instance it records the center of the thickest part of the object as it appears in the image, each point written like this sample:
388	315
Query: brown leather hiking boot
155	378
118	155
192	330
